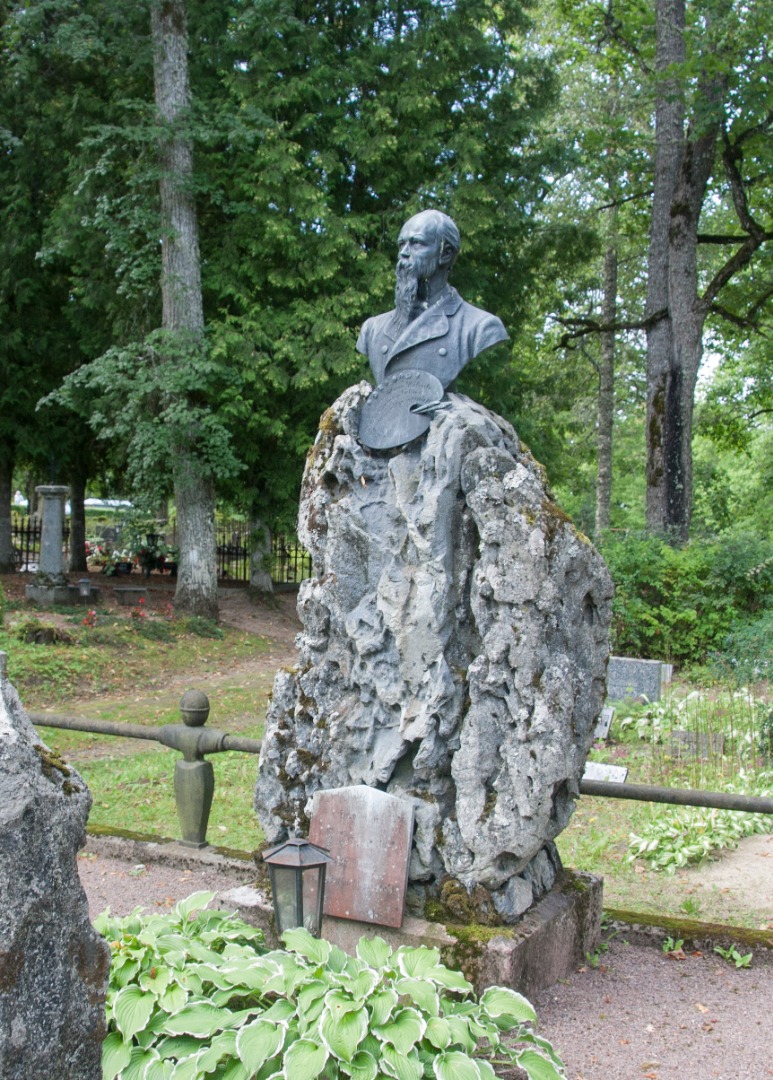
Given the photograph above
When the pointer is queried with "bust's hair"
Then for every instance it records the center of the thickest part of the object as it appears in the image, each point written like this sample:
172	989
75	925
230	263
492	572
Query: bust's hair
446	230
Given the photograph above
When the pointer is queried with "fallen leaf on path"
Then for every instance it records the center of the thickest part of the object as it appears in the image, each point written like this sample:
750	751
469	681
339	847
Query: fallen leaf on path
701	1008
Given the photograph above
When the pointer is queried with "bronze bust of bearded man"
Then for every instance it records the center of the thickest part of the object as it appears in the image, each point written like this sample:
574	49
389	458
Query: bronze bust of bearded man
431	333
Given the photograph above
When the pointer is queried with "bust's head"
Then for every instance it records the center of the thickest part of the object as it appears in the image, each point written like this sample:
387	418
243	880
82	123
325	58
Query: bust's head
433	237
426	250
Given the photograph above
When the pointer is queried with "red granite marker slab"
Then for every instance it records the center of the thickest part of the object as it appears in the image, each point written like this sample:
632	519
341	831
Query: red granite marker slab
368	834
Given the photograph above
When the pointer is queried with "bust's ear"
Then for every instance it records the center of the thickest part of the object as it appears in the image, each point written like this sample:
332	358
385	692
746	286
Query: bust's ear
447	255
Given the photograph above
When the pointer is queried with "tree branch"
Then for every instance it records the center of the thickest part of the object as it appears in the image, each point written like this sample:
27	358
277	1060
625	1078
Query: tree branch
621	202
756	235
579	327
727	238
749	320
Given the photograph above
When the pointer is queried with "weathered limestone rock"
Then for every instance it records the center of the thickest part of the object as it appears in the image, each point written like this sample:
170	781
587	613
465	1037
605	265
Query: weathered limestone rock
53	965
454	650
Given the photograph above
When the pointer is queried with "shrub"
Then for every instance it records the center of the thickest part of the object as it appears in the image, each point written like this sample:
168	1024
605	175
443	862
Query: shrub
682	603
194	994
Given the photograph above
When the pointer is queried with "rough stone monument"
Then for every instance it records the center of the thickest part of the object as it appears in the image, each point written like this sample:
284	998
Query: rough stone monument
455	634
53	964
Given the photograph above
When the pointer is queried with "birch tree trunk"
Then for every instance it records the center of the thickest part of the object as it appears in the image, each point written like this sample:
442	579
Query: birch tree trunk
182	306
606	399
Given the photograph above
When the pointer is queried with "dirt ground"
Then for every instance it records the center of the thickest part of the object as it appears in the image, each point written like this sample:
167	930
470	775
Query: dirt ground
630	1013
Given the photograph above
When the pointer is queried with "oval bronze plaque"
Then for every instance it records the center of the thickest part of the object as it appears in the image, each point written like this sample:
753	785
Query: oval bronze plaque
388	418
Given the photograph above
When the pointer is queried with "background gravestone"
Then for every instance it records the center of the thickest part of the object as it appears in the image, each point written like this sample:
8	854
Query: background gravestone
53	964
453	652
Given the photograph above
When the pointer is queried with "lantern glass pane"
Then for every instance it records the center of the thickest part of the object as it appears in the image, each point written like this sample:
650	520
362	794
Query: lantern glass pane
311	898
283	884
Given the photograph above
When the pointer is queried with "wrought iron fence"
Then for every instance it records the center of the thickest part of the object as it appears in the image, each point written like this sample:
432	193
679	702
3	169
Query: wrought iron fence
289	563
25	538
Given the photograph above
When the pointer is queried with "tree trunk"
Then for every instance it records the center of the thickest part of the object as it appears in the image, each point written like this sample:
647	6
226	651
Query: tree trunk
183	313
606	399
77	562
669	145
7	559
260	575
683	165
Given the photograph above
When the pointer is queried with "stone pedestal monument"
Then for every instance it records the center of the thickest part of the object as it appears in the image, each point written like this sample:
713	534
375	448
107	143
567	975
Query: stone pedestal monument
455	634
51	585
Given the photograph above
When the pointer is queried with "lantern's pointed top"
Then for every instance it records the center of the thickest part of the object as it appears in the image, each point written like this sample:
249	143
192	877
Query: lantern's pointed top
297	852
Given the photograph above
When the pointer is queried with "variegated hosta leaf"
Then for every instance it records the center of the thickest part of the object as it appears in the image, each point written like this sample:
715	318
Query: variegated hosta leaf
404	1030
502	1001
256	1043
342	1032
304	1060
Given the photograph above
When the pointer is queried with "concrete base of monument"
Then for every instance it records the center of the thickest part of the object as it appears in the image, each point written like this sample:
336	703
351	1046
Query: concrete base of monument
48	595
547	943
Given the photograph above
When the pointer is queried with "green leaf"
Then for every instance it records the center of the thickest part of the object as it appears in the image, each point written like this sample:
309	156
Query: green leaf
193	903
174	998
501	1001
361	985
455	1066
421	993
342	1032
381	1005
140	1061
449	979
338	1002
438	1032
311	992
304	1060
373	951
115	1055
362	1066
159	1070
299	940
199	1018
132	1009
223	1045
416	963
403	1031
402	1066
537	1067
178	1046
257	1042
155	979
460	1032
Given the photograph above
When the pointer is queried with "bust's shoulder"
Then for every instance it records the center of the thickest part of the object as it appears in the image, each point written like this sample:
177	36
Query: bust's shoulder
488	329
371	329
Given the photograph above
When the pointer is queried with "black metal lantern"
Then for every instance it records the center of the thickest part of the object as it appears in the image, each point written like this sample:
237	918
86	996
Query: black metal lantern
297	871
84	587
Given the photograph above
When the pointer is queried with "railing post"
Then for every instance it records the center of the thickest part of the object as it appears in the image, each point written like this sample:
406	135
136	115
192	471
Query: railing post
194	778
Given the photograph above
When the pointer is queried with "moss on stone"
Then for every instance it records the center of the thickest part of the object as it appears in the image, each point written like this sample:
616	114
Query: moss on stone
51	762
693	931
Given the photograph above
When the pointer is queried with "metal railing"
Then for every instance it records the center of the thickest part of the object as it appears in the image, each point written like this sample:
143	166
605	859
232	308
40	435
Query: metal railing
194	741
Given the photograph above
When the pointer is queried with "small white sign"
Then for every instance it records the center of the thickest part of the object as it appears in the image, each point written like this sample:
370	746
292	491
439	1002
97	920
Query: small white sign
613	774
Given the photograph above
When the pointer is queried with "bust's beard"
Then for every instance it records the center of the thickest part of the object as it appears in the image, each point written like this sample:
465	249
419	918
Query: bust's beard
406	291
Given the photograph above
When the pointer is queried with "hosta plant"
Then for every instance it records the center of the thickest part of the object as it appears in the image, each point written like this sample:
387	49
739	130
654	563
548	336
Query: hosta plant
194	995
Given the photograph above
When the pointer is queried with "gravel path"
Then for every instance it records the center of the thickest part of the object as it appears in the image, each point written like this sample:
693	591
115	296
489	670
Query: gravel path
638	1015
